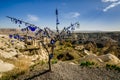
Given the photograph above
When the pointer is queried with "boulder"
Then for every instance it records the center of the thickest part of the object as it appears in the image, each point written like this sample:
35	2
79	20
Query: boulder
80	47
92	58
110	58
4	67
107	59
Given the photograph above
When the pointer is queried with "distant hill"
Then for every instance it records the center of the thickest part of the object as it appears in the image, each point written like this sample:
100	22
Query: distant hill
7	30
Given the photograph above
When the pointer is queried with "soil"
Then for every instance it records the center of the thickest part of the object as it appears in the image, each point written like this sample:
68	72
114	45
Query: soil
68	71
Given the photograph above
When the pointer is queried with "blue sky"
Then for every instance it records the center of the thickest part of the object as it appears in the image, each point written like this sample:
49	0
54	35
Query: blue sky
92	14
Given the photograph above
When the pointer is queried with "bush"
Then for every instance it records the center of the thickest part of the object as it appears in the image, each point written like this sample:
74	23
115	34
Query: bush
65	56
115	67
68	44
54	61
87	64
12	74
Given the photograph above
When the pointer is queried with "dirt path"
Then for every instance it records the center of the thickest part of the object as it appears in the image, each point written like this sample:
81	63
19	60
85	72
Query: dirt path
66	71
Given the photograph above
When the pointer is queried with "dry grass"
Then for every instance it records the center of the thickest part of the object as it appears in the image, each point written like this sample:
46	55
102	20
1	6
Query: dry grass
21	67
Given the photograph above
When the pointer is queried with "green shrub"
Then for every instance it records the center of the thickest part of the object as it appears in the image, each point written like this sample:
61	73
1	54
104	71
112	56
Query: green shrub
68	44
115	67
87	64
12	74
53	61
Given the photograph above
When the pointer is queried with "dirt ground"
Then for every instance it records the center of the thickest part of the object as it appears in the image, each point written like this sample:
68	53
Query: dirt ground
67	71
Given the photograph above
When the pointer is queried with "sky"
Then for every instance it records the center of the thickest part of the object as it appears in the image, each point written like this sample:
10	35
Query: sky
93	15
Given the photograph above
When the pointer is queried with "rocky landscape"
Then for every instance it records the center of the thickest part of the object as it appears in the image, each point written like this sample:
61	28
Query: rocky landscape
91	56
13	56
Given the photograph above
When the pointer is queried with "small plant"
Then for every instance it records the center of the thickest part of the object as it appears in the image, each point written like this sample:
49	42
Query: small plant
87	64
115	67
12	74
67	44
54	61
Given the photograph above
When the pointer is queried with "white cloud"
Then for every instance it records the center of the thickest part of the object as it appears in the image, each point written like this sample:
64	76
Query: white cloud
72	15
32	17
109	0
75	14
111	6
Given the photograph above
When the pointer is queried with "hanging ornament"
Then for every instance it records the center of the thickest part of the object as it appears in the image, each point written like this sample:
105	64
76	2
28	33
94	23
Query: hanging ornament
20	22
44	33
19	26
23	29
32	28
68	32
71	24
11	19
29	37
51	55
78	25
36	34
22	38
40	30
72	28
16	21
26	24
52	41
15	37
10	36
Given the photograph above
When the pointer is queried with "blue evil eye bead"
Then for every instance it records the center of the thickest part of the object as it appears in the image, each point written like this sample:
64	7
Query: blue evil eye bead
12	20
57	22
40	30
22	38
44	33
15	37
20	22
68	28
23	29
72	28
51	55
26	24
19	26
18	36
52	41
27	29
16	21
64	28
29	37
78	25
71	24
10	36
32	28
36	34
68	31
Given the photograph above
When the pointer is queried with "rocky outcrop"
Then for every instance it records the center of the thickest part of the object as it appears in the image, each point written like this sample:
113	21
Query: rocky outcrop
4	66
80	47
9	53
108	58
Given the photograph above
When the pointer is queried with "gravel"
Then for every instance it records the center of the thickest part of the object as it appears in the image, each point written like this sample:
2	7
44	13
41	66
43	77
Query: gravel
67	71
